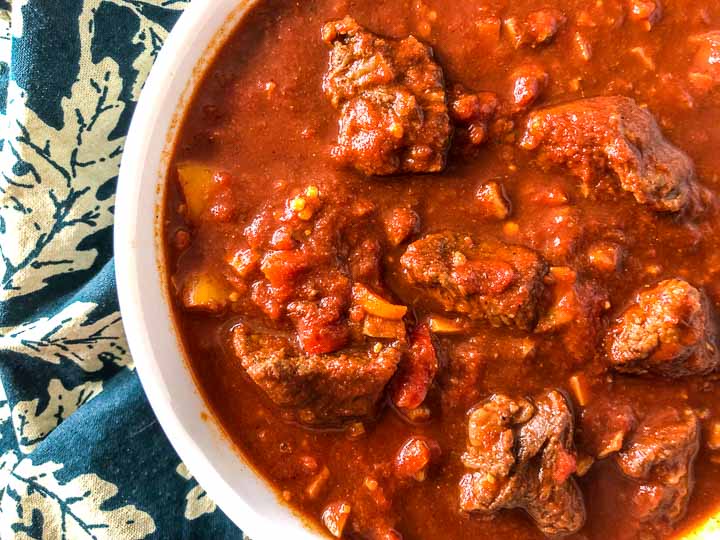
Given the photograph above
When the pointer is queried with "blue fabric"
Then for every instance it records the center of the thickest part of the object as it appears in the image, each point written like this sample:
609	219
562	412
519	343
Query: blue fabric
81	453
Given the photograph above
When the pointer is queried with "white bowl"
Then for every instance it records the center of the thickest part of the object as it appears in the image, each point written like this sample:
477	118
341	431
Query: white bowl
217	465
239	491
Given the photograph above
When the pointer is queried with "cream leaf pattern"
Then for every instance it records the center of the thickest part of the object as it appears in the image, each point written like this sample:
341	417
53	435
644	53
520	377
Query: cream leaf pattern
70	336
49	182
197	502
81	454
33	425
75	510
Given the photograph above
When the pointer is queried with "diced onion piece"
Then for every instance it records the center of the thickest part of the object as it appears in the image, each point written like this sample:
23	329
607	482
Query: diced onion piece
376	305
196	181
579	388
584	462
205	291
418	414
614	444
317	484
335	517
563	274
378	327
443	325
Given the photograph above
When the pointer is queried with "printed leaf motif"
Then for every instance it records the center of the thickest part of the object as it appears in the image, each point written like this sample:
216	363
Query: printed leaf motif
76	510
197	502
151	35
69	336
32	426
49	198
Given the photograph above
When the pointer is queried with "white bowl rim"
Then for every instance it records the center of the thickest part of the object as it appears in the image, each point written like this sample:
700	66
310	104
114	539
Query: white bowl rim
247	499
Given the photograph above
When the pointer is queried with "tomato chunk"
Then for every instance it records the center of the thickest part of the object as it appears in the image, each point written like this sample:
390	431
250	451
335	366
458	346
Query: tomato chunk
415	457
417	370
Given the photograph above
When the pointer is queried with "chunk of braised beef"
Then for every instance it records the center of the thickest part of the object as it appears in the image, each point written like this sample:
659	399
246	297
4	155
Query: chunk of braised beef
391	98
520	454
614	134
660	456
486	280
316	389
668	330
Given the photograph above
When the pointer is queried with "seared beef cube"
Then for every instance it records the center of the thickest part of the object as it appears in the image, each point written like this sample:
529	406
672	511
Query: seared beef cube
660	456
485	280
391	98
521	455
668	330
317	389
613	133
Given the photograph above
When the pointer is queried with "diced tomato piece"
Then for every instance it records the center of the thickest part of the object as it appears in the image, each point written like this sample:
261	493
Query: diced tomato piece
281	267
270	299
335	517
417	370
321	327
415	456
322	338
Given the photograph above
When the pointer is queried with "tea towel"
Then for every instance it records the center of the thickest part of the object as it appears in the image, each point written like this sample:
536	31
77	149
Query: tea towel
81	453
